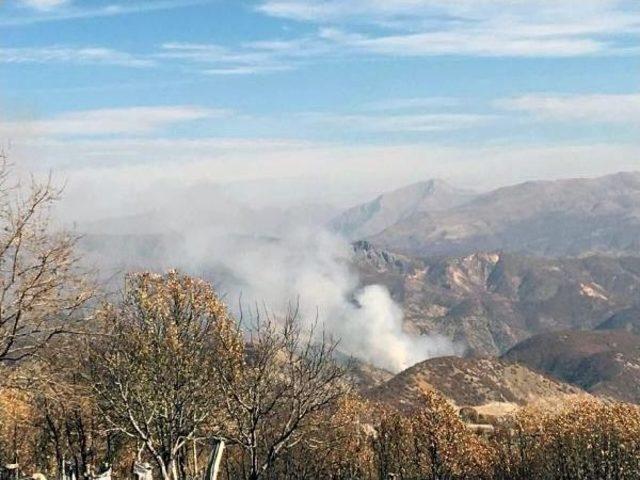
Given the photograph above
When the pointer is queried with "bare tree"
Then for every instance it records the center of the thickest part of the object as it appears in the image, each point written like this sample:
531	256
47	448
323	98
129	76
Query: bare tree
288	378
154	374
41	287
65	409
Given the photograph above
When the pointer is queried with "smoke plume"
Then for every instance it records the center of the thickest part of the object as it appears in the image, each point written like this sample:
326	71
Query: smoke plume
269	257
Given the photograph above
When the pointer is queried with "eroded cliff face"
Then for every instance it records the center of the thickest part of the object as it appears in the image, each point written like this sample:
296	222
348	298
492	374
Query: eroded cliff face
490	301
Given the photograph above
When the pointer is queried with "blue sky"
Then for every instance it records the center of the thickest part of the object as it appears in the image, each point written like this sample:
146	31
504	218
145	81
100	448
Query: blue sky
375	92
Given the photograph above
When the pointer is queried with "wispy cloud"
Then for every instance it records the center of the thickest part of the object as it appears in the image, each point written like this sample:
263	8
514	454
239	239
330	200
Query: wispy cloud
543	16
138	162
396	28
400	122
60	10
401	28
73	55
414	103
246	70
489	43
114	121
247	58
215	59
594	108
44	4
540	28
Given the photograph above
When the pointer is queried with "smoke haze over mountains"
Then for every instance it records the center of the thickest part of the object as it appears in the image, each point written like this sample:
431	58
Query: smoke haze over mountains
265	259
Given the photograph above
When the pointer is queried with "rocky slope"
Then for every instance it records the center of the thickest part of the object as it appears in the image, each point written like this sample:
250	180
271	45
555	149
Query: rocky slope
491	301
553	218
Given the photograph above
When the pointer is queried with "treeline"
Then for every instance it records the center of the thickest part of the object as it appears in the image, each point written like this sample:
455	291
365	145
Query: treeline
158	374
285	414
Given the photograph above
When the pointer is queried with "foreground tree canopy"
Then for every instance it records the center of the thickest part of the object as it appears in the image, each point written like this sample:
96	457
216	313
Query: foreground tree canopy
156	368
169	370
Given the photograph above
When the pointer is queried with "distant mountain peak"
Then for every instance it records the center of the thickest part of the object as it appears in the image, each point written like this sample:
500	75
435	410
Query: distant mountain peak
389	208
574	217
426	187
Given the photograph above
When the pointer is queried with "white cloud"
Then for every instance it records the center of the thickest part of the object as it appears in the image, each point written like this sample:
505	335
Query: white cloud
524	28
542	28
246	70
137	162
414	103
445	10
61	10
72	55
594	108
45	4
467	42
215	59
114	121
248	58
407	123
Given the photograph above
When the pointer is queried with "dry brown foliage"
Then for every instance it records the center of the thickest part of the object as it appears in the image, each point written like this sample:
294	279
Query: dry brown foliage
288	380
337	447
170	370
430	443
17	432
154	372
582	439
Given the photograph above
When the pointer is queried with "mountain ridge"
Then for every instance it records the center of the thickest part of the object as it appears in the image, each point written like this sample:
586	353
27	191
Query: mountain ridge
391	207
602	362
568	217
489	385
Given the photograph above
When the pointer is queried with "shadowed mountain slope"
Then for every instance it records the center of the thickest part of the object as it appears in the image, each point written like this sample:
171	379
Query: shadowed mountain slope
604	362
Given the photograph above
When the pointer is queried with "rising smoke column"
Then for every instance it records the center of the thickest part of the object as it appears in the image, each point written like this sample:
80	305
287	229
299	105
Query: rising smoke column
311	266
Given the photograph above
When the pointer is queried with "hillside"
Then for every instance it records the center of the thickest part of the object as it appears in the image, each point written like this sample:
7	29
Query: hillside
605	363
491	301
626	319
390	208
488	384
573	217
364	376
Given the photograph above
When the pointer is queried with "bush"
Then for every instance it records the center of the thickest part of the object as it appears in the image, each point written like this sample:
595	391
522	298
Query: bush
430	443
583	439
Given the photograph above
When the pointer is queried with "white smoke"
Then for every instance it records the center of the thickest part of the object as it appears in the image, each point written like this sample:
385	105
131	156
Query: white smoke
269	258
385	343
312	267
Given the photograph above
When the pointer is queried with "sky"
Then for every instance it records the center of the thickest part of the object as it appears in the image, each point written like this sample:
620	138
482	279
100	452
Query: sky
341	98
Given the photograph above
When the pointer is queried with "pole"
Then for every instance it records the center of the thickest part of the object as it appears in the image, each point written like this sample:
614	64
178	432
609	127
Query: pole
213	468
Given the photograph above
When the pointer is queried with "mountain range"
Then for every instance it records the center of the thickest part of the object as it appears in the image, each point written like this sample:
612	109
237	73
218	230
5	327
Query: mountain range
573	217
492	387
538	283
